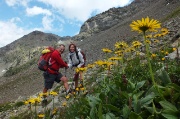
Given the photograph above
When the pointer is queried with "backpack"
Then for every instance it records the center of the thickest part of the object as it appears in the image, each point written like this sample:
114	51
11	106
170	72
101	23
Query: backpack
83	54
43	63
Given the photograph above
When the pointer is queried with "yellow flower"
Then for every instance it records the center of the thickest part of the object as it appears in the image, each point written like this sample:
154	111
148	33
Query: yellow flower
163	59
26	102
41	115
149	36
156	41
68	96
115	58
100	62
54	111
174	49
53	93
136	44
37	99
77	89
148	41
90	65
153	55
31	100
81	69
106	50
164	31
162	51
64	104
82	88
119	45
43	94
145	25
166	53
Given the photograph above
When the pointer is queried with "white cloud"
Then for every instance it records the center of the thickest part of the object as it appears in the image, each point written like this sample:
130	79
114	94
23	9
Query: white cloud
10	32
81	10
17	2
37	10
47	23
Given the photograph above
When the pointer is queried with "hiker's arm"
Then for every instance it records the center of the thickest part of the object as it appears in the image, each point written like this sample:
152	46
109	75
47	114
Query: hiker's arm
60	60
81	59
69	62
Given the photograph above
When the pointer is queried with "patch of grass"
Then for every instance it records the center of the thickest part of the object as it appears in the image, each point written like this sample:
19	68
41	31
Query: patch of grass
8	106
5	106
175	13
15	70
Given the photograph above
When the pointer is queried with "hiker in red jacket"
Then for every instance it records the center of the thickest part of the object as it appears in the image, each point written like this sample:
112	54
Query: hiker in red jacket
52	74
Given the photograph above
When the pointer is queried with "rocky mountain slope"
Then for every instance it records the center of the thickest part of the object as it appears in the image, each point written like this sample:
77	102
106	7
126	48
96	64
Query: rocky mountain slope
98	32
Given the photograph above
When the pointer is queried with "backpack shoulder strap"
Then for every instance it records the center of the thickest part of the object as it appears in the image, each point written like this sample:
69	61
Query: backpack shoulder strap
77	55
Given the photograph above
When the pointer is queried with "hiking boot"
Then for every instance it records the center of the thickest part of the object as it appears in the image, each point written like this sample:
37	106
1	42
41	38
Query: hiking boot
44	102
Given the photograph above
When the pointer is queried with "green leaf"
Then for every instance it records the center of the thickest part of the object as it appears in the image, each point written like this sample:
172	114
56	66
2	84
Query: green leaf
126	112
168	116
176	87
100	111
167	105
150	109
147	100
110	116
140	84
163	75
111	107
151	117
134	116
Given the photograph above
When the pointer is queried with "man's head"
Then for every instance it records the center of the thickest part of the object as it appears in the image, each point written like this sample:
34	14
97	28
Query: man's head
60	48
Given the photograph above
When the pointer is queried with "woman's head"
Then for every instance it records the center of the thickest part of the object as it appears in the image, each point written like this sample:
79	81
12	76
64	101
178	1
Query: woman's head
72	48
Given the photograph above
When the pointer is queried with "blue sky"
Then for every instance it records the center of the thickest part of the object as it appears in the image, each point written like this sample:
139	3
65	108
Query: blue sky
60	17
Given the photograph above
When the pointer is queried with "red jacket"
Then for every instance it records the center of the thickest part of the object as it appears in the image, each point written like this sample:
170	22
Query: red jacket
56	63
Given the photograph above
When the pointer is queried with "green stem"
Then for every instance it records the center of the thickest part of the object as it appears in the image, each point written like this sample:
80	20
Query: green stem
148	57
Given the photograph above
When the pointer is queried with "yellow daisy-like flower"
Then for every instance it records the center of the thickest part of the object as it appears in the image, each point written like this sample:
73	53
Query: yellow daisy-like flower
37	99
156	41
166	53
31	100
81	69
53	93
164	31
120	45
115	58
174	49
26	102
90	65
68	96
148	41
163	59
149	36
41	115
106	50
153	55
82	88
64	104
54	111
137	53
100	62
77	89
162	51
145	25
136	44
43	94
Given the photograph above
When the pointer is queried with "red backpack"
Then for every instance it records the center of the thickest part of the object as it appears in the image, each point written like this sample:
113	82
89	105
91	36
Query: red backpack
43	62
